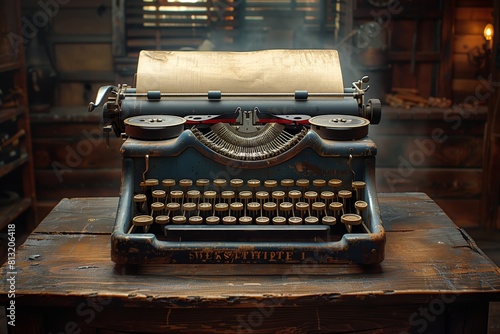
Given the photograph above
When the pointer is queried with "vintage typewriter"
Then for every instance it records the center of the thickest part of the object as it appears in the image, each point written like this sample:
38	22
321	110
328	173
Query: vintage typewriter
230	176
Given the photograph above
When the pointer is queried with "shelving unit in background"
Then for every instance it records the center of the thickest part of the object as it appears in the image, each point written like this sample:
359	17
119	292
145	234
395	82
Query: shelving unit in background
17	189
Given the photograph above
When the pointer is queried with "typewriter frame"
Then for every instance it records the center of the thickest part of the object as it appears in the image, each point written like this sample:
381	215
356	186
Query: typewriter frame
362	248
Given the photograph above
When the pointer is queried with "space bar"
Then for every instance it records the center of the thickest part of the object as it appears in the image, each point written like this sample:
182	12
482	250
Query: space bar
223	232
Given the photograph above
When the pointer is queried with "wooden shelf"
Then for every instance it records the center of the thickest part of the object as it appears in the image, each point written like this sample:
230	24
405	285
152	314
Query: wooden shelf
9	113
9	65
11	212
6	169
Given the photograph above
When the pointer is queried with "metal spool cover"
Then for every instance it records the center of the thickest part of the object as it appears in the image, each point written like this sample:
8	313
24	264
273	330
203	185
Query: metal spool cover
154	127
340	127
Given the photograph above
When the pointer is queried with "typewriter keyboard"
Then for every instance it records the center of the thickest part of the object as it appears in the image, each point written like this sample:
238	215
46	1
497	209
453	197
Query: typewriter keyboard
194	209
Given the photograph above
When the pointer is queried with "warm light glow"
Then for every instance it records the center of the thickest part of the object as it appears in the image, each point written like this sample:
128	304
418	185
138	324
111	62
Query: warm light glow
488	32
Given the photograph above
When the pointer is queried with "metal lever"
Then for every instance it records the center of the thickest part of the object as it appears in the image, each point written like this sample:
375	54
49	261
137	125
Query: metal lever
101	95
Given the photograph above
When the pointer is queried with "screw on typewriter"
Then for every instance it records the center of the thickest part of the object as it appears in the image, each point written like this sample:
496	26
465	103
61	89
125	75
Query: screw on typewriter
245	177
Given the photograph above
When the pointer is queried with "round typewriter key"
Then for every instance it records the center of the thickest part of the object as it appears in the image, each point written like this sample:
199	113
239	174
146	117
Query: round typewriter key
195	220
285	209
270	184
179	220
162	220
294	194
172	209
350	219
229	220
159	195
209	194
142	220
220	182
329	220
253	183
189	209
245	220
212	220
245	195
358	184
302	183
327	196
359	187
345	195
139	201
319	183
336	209
311	220
221	209
236	209
205	206
335	183
319	209
176	195
227	195
310	195
287	183
202	183
236	183
302	208
204	209
185	183
270	209
278	220
151	182
168	183
193	194
294	220
139	198
361	205
262	220
253	209
278	195
261	195
157	208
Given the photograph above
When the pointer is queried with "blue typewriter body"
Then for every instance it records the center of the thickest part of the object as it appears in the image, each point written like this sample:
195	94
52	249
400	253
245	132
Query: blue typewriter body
215	178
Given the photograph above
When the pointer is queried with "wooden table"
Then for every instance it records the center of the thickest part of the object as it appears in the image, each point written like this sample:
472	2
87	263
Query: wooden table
434	279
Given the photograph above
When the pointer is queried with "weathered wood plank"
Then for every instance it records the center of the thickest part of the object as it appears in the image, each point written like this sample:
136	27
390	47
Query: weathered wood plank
81	215
267	319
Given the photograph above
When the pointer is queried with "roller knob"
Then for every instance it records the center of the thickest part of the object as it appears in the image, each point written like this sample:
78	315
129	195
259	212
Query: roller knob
373	111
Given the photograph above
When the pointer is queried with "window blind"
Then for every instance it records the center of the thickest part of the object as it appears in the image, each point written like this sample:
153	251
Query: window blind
227	24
